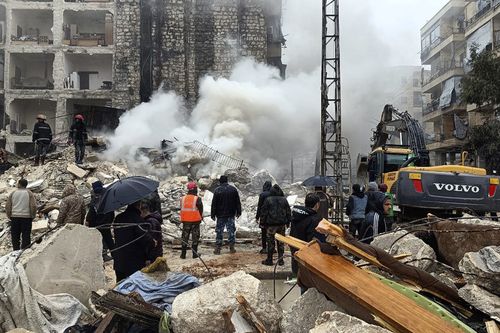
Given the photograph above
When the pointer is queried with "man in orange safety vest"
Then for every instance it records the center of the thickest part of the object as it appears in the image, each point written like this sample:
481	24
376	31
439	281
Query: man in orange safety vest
191	216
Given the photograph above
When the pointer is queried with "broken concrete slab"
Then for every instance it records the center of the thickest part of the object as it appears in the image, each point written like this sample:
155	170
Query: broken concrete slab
200	309
407	244
469	237
339	322
302	315
483	268
91	158
67	261
258	180
481	299
76	171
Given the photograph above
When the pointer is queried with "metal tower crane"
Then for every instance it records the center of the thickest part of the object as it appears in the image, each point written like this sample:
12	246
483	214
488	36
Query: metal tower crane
333	152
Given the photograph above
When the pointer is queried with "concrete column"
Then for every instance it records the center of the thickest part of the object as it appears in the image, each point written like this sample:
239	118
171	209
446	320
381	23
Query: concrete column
57	27
62	122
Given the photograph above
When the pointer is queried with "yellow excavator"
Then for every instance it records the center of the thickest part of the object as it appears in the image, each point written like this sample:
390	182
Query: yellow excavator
400	160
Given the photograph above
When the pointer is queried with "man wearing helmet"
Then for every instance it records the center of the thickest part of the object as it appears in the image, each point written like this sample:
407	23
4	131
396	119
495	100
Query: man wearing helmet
191	216
78	137
42	137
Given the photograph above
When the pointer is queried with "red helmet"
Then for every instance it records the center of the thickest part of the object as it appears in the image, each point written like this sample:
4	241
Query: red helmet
79	116
191	186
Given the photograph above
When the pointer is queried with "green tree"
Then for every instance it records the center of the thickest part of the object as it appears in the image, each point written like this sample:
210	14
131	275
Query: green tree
481	85
485	140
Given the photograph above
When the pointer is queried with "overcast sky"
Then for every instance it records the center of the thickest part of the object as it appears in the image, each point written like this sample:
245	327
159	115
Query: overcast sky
375	34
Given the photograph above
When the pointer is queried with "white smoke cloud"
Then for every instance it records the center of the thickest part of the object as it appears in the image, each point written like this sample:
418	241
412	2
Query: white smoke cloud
253	115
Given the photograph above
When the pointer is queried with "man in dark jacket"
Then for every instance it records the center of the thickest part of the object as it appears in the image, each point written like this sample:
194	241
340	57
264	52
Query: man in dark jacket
42	137
153	217
133	243
275	216
226	206
375	199
78	137
304	223
356	208
95	220
266	191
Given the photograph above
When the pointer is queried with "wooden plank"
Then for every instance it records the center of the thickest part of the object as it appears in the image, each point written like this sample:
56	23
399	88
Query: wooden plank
290	241
492	327
107	323
250	314
397	310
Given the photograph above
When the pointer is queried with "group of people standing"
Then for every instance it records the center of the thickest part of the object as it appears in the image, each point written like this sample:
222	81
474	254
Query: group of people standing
370	212
42	138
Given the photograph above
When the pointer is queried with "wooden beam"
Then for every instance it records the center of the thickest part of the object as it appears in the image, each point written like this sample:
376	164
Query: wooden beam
492	327
290	241
107	323
344	281
250	314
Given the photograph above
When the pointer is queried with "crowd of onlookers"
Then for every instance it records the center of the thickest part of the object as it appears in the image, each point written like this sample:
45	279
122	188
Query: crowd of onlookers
136	239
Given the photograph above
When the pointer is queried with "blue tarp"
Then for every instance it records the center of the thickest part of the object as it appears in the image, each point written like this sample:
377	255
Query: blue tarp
160	294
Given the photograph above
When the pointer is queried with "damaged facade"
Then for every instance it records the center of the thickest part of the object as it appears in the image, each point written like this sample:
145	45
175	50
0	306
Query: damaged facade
98	57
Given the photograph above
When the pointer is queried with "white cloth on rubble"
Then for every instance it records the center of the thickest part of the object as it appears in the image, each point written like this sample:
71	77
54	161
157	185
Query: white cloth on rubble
23	307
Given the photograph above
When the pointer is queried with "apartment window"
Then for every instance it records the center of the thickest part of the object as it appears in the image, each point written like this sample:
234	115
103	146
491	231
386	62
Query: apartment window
417	99
435	34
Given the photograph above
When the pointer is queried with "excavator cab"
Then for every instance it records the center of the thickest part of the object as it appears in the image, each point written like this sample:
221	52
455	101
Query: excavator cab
384	164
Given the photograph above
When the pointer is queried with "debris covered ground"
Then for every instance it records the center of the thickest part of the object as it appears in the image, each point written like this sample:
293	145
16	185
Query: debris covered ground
65	269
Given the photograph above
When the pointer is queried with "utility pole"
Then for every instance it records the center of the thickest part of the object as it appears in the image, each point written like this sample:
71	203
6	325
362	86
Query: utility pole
331	133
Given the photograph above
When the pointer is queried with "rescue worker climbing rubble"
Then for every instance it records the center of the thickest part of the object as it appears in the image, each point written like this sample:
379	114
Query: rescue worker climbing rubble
42	137
78	137
191	216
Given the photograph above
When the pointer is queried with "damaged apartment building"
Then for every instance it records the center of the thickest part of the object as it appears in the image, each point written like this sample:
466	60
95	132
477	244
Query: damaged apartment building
99	57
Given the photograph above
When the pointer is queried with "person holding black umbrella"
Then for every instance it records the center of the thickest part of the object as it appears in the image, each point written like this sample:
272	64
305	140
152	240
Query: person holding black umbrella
133	242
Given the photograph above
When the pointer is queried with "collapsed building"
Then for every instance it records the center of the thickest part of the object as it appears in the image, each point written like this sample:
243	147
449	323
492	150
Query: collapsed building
100	57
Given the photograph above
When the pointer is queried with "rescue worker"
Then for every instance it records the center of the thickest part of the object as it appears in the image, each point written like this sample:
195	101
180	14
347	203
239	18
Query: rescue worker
226	206
266	191
78	137
191	216
374	222
355	209
276	216
42	137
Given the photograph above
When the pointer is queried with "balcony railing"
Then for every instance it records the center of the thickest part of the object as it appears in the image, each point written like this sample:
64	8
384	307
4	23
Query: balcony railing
441	70
485	10
425	52
431	107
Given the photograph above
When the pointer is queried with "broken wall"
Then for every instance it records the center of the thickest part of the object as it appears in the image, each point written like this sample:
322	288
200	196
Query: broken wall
194	38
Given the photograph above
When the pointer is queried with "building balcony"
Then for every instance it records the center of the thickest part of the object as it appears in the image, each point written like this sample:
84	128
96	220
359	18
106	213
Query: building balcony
445	143
442	74
433	112
481	17
430	52
90	28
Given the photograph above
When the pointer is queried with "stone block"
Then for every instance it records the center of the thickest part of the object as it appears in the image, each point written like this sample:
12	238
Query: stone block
481	299
302	315
483	268
408	244
200	309
76	171
338	322
67	261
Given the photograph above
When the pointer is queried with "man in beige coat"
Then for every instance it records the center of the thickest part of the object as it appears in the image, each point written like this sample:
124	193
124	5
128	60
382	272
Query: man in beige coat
21	210
72	208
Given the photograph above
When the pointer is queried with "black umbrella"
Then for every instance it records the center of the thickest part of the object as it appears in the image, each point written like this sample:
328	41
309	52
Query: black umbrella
319	181
126	191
